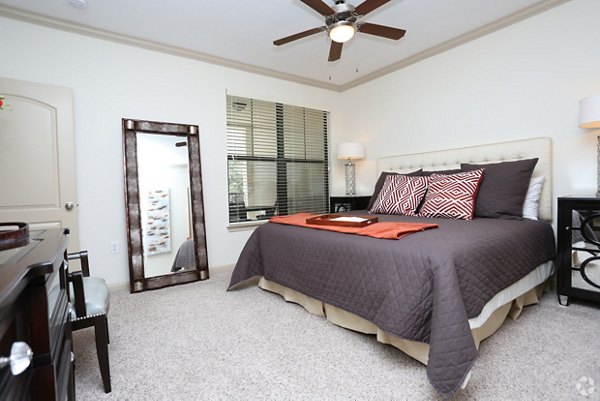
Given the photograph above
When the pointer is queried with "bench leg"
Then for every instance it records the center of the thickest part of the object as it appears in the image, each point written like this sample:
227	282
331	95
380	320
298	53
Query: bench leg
107	333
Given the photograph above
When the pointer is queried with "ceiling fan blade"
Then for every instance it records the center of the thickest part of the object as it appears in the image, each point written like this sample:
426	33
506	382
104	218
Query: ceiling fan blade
381	30
335	51
369	5
297	36
319	7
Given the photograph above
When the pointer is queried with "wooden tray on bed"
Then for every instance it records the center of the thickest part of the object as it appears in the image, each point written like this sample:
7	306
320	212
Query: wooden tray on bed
342	220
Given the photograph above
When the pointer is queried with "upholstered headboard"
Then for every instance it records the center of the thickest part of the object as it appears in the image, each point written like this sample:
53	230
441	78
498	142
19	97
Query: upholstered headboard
497	152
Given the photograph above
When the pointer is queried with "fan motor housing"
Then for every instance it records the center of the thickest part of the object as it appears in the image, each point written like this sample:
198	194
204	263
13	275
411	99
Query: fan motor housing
343	12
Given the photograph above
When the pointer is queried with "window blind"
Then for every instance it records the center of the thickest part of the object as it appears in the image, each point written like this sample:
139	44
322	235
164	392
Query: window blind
276	159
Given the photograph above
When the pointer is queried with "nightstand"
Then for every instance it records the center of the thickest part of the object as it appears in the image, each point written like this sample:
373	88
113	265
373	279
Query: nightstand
578	262
347	203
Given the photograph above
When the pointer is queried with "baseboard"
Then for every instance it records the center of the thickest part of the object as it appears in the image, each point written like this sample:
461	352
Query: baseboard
222	269
217	269
119	286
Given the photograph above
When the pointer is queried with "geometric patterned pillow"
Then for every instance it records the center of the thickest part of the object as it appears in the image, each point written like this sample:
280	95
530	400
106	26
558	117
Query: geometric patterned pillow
400	194
452	196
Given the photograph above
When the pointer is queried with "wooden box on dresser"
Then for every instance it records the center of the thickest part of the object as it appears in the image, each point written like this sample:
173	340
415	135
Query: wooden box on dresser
34	308
578	241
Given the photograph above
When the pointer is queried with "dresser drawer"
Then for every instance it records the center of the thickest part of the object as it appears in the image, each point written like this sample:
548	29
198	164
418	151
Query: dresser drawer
58	314
65	363
34	309
14	323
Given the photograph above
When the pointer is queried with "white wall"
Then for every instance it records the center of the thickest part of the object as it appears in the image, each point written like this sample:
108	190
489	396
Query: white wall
112	81
523	81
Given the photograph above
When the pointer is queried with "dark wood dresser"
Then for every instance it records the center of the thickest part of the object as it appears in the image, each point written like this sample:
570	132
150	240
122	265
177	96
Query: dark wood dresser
34	309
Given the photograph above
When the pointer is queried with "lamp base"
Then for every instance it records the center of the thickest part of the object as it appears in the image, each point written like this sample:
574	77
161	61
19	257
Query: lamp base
350	179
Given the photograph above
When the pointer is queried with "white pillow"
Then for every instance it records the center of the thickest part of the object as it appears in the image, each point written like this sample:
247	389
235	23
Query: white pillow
532	199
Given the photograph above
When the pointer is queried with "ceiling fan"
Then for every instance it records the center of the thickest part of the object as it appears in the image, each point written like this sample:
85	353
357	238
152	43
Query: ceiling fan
341	23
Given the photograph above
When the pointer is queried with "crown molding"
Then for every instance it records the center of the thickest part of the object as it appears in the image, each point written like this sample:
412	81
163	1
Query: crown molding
34	18
55	23
528	12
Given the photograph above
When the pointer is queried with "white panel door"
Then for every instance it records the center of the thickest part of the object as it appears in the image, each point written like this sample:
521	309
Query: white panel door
37	157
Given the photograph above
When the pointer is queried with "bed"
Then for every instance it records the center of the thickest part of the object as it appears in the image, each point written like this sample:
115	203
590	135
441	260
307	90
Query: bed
185	258
434	294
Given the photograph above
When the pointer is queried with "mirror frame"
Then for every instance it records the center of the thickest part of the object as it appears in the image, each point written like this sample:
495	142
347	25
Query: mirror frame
138	281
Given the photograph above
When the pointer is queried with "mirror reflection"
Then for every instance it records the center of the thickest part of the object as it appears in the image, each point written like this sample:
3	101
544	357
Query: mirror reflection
163	178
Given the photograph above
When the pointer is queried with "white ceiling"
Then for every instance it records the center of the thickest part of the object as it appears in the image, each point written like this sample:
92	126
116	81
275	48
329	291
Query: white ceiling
240	33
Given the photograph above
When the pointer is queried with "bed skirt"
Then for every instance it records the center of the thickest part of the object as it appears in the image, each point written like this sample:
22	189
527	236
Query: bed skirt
509	302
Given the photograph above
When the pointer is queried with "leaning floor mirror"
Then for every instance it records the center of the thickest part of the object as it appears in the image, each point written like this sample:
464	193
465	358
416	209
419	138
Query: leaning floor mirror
164	205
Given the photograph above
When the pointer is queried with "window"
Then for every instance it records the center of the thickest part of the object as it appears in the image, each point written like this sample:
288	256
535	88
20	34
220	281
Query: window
277	159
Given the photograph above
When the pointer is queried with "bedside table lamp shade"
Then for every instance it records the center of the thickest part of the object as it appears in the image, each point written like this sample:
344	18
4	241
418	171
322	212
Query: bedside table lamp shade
350	151
589	112
589	117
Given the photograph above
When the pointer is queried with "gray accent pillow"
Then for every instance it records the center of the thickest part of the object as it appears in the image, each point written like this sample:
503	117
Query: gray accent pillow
503	188
381	180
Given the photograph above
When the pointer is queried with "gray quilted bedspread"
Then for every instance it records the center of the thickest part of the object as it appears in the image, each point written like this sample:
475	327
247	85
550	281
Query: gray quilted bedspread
423	287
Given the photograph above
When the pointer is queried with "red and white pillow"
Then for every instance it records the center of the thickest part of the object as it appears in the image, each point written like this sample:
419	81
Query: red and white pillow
400	194
452	196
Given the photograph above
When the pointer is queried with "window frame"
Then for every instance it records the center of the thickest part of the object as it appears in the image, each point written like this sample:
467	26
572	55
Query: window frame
282	206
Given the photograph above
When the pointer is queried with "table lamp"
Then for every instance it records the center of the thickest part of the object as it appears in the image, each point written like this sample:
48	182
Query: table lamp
589	117
350	151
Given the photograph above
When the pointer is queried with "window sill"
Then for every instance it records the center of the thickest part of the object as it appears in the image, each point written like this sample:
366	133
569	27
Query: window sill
246	225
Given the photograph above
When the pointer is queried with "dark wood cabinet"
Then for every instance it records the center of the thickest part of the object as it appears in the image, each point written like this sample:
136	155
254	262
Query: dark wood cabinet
347	203
35	309
578	236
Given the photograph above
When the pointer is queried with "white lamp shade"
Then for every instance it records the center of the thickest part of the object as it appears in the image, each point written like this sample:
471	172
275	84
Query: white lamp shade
589	112
350	151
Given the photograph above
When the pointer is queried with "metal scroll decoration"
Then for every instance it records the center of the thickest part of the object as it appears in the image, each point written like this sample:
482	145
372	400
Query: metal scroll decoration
585	233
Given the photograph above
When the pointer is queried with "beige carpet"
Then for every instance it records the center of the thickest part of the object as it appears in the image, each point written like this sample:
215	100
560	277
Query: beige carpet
198	342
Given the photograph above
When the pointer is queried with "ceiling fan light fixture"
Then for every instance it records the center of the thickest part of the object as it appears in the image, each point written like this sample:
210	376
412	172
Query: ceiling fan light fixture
342	31
342	22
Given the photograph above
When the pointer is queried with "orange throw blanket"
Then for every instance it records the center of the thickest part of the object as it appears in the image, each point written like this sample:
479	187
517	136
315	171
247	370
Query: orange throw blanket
386	229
